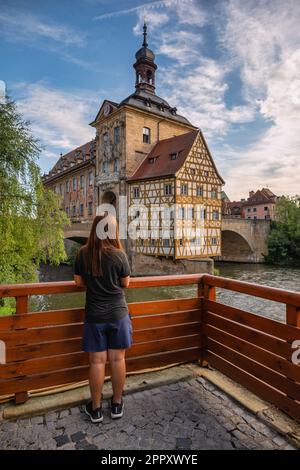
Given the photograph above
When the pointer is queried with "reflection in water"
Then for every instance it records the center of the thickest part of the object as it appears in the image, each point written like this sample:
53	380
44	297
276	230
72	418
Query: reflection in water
285	278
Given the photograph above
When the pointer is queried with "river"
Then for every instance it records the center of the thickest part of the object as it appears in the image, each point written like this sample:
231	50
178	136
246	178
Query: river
285	278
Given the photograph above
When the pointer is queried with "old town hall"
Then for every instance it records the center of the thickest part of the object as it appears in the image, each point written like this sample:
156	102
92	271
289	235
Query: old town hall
146	151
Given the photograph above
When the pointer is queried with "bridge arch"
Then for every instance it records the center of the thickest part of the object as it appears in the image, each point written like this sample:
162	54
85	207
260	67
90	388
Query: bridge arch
235	247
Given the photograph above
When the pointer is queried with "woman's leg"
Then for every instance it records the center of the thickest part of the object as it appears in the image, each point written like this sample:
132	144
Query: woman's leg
116	359
96	376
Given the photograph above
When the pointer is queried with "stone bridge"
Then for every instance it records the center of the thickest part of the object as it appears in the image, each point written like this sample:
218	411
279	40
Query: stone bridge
78	232
244	240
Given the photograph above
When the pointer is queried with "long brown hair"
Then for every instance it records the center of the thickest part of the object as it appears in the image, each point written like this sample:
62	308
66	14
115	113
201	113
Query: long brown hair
95	247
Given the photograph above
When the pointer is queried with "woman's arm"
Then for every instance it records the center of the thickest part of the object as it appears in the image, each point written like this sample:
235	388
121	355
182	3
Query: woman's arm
79	281
125	281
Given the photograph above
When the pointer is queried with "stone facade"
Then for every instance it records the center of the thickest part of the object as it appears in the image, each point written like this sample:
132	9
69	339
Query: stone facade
72	178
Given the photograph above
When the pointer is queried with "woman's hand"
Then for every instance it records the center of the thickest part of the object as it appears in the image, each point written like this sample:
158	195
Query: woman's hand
79	281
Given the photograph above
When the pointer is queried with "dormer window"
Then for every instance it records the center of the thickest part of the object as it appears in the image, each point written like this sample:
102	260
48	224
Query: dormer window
173	156
152	159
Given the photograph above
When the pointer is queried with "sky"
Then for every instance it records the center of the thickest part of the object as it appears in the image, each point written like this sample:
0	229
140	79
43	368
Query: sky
232	67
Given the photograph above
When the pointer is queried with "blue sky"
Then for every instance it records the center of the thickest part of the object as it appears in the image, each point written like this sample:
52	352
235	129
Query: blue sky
230	66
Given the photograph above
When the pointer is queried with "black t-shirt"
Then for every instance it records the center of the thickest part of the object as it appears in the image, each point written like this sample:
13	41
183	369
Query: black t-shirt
105	299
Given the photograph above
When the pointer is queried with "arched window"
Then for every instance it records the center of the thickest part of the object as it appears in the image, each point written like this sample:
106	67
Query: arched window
149	77
146	135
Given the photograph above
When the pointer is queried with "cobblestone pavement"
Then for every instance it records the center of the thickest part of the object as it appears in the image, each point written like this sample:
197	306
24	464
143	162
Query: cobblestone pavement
184	415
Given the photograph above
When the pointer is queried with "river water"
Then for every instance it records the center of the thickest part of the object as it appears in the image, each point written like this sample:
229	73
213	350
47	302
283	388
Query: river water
285	278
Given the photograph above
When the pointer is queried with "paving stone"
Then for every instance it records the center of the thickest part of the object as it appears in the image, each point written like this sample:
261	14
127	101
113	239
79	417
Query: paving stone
62	440
279	441
183	443
64	413
289	447
37	420
239	435
78	436
69	446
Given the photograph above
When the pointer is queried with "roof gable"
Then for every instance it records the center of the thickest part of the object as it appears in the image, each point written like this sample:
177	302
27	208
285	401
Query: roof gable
158	162
113	106
261	196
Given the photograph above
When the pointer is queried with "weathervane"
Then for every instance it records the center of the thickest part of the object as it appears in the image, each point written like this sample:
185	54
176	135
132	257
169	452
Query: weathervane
145	44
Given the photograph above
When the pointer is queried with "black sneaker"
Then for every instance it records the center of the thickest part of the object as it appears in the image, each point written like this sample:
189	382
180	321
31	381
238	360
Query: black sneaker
117	409
95	415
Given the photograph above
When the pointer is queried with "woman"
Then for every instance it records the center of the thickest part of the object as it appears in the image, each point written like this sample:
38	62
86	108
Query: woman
102	266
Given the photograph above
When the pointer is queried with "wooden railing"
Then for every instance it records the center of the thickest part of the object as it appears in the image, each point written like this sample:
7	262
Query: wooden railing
43	349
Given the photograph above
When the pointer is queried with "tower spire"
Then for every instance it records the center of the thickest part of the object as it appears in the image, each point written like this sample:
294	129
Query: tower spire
145	66
145	43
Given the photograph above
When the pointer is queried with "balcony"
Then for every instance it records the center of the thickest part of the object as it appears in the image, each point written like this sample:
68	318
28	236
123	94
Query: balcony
43	349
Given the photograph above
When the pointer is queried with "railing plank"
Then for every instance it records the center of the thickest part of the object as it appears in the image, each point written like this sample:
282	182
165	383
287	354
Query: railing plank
67	361
72	316
263	340
278	381
164	306
61	333
280	365
272	327
252	383
81	373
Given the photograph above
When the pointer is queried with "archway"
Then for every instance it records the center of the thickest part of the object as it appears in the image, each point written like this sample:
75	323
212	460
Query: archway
234	247
109	197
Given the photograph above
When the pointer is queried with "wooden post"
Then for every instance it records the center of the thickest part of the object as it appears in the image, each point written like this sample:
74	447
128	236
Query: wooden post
293	315
205	292
293	319
21	307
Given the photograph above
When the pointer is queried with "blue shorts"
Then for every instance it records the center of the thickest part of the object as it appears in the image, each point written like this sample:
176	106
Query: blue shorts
98	337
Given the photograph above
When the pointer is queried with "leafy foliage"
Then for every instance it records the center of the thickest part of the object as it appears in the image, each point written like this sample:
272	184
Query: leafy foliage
31	222
284	238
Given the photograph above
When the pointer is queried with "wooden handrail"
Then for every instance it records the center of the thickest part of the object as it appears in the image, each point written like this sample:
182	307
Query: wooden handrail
262	291
256	290
19	290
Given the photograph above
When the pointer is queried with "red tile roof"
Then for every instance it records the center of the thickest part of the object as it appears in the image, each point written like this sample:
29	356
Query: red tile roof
162	164
84	153
261	196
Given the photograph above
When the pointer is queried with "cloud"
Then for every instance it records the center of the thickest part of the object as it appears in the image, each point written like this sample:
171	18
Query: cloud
145	8
232	65
24	26
32	30
266	48
58	118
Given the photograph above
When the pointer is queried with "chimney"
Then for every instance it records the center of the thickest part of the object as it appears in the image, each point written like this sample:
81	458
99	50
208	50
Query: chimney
251	193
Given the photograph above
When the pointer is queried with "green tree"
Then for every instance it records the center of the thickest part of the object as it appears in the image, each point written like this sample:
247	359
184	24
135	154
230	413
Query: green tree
284	238
31	222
